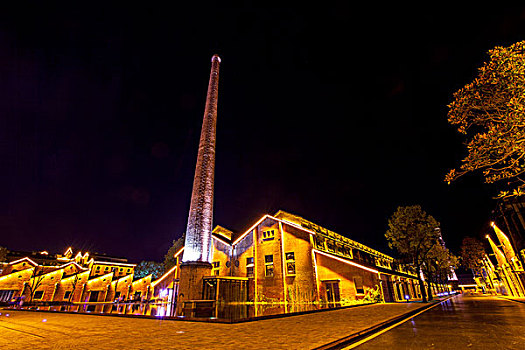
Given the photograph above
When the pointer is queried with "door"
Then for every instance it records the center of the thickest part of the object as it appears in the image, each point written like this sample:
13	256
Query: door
332	291
387	289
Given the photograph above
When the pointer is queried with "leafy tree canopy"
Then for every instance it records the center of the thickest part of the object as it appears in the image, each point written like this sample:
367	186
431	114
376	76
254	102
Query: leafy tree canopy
3	253
413	233
472	253
169	260
145	268
440	263
491	111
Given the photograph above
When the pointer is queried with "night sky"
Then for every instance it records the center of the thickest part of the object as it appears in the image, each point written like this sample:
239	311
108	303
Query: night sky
336	114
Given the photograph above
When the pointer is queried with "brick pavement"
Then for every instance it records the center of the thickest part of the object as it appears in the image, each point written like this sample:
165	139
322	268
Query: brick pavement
41	330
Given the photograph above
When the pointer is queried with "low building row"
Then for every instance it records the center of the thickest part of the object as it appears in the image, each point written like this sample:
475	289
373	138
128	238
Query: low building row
280	258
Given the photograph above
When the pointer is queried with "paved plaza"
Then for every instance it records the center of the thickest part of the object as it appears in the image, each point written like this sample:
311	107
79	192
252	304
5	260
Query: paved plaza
44	330
460	323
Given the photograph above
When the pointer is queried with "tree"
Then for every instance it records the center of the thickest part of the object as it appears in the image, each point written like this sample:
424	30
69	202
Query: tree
145	268
35	281
413	233
169	260
438	265
472	254
3	253
491	111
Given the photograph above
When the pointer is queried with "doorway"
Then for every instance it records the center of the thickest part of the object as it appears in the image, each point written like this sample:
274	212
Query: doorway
333	294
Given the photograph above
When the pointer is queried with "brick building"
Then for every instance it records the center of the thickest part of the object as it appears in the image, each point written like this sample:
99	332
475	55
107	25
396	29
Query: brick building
281	258
286	258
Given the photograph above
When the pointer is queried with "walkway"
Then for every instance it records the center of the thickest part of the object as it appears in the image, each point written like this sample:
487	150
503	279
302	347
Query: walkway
459	323
41	330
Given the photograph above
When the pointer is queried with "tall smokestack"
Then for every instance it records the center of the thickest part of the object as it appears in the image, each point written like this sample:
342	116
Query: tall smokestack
197	245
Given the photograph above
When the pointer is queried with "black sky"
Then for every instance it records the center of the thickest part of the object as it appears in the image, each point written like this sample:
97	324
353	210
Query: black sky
337	114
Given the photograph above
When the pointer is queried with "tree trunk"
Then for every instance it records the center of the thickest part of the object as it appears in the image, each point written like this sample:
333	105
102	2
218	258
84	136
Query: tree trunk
429	288
421	285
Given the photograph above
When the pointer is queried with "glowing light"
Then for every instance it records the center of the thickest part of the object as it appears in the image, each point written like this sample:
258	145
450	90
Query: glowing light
346	261
221	240
250	229
20	260
153	284
163	293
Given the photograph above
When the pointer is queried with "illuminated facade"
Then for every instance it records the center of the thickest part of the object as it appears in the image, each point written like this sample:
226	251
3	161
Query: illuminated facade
70	278
508	271
281	258
286	258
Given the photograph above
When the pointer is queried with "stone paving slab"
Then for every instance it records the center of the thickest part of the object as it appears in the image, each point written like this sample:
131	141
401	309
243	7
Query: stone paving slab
42	330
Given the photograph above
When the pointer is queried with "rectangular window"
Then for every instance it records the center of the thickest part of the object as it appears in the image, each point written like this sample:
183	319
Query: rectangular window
38	295
215	270
268	265
67	294
358	281
290	263
268	235
249	267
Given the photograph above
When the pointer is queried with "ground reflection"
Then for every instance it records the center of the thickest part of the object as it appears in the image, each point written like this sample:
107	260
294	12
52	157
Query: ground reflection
203	310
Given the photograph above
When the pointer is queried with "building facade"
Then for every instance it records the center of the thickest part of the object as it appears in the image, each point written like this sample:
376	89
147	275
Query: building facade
68	278
280	258
286	258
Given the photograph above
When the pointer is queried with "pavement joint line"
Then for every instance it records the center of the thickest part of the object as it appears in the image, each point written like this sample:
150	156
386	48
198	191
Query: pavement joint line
187	319
24	332
510	299
355	339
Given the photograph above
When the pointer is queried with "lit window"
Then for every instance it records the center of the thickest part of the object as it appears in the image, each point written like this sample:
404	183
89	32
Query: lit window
268	264
249	267
290	263
216	265
268	235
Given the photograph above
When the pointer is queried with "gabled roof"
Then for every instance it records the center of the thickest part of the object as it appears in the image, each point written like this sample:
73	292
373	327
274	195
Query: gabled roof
73	275
93	278
319	230
23	259
223	233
